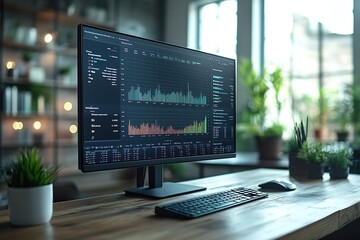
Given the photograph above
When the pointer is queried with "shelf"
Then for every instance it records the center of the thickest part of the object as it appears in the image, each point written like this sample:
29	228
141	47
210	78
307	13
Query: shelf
19	46
11	146
60	144
21	81
52	15
25	82
66	51
49	15
19	8
28	116
45	16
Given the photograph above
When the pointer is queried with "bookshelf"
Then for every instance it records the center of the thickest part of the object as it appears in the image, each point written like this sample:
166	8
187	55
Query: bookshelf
38	75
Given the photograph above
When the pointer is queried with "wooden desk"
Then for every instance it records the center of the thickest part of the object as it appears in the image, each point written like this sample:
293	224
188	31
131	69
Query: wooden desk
243	161
315	209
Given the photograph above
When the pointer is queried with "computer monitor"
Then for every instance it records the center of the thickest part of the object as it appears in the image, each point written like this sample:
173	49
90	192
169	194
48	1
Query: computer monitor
144	103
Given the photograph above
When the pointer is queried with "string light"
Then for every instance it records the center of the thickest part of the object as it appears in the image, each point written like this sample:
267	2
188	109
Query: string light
10	65
37	125
48	38
18	125
68	106
73	128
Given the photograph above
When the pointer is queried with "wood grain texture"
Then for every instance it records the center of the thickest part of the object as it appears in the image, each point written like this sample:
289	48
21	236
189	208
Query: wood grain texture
315	209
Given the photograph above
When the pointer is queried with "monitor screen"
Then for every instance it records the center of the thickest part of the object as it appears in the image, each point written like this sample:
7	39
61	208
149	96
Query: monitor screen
147	103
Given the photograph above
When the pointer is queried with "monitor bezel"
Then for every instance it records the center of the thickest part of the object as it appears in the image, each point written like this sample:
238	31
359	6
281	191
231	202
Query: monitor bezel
138	163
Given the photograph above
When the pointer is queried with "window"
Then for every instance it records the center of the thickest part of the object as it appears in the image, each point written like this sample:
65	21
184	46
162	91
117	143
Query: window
312	42
217	23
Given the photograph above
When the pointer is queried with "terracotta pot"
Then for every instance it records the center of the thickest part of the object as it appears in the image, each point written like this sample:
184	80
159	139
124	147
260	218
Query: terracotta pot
269	147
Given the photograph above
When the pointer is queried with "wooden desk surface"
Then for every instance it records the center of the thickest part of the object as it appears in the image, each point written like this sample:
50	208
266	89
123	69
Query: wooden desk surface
315	209
245	161
248	159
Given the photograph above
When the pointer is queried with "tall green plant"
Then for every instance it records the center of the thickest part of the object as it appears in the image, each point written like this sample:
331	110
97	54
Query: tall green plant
277	82
258	87
301	133
28	171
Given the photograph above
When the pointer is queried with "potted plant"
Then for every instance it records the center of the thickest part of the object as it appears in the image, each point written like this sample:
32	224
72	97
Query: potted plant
30	189
338	159
314	156
296	165
342	111
268	136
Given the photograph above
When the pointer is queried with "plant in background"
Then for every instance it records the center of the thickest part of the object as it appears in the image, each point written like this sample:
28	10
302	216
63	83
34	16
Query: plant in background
277	82
274	130
312	152
314	155
268	135
322	113
28	171
258	87
176	169
297	166
342	114
300	134
292	145
339	156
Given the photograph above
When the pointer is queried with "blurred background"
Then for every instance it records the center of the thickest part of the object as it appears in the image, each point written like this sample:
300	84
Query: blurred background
314	43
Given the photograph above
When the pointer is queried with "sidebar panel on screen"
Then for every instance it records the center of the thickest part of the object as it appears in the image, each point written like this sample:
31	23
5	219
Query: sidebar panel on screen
101	90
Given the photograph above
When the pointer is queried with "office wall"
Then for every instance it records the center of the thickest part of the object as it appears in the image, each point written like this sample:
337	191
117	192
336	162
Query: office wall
176	22
143	18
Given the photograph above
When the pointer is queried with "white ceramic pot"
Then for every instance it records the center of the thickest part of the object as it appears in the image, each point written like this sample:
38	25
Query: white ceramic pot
30	206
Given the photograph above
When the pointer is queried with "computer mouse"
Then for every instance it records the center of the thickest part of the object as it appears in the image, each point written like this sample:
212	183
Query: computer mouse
278	184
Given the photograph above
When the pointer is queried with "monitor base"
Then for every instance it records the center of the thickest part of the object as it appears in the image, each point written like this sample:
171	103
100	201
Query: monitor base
168	189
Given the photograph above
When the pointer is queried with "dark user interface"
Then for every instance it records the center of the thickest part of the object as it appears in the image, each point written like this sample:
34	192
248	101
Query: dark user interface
147	100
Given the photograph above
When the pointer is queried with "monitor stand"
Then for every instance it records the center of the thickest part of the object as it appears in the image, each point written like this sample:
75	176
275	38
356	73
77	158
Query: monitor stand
157	188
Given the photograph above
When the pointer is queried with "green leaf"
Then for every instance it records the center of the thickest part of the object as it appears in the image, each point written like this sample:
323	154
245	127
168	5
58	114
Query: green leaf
28	171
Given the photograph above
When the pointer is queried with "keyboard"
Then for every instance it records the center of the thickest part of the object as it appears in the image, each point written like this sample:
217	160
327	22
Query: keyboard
198	206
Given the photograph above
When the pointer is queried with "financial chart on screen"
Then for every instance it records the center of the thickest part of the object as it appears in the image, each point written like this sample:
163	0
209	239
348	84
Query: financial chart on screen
144	100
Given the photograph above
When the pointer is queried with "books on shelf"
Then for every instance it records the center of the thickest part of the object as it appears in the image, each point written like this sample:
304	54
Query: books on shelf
17	101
